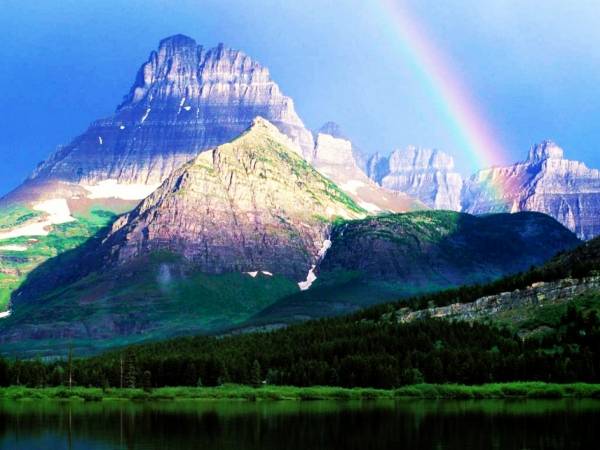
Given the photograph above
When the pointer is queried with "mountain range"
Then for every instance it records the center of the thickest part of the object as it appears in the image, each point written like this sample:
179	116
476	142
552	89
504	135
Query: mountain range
203	204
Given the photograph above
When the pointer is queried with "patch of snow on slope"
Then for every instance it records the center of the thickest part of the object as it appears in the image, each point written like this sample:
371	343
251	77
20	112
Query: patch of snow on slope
14	248
352	186
269	274
370	207
100	140
311	277
57	211
252	274
145	115
113	189
4	314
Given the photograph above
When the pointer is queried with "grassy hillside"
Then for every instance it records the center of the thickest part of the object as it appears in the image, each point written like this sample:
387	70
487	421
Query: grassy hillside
23	254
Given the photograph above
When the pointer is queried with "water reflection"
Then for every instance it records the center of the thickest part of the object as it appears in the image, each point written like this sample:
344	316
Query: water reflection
533	424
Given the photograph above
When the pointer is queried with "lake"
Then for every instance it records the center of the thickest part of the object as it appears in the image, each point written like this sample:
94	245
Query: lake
224	425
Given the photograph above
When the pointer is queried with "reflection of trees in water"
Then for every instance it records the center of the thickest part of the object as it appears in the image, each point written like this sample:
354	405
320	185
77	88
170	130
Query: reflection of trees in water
307	425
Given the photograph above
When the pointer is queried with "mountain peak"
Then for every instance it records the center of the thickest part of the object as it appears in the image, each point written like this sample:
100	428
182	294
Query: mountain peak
332	129
545	150
177	41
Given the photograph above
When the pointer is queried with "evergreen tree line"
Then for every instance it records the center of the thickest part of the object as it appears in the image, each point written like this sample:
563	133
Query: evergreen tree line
338	352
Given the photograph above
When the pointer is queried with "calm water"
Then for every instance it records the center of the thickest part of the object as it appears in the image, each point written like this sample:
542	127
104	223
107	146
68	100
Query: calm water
460	425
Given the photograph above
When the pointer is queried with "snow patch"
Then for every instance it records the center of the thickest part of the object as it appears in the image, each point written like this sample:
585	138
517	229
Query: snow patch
14	247
269	274
57	211
326	246
5	314
187	107
370	207
145	116
252	274
113	189
100	141
57	208
310	279
122	127
181	103
352	186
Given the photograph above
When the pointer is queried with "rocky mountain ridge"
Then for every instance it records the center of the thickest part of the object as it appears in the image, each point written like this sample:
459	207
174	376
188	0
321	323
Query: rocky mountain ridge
546	182
425	174
185	99
336	158
537	295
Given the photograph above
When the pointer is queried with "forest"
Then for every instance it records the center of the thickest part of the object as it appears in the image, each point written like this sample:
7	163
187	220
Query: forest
341	352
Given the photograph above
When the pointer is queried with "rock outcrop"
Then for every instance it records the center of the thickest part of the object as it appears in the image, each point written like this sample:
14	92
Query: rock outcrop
537	295
545	182
424	174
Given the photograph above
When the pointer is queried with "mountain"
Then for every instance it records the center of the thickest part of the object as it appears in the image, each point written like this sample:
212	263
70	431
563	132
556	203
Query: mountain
546	182
225	235
384	258
185	99
424	174
336	158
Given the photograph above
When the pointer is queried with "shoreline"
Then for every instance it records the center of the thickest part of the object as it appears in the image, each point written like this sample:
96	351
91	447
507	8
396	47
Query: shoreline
512	390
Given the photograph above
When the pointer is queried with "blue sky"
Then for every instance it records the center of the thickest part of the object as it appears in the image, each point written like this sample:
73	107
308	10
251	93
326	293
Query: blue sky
533	67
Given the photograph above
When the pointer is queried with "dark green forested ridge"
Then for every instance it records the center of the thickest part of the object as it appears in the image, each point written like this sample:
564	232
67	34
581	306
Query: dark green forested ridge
339	352
358	350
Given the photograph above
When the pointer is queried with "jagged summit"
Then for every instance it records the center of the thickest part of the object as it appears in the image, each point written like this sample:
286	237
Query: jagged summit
546	182
185	99
545	150
333	129
178	41
425	174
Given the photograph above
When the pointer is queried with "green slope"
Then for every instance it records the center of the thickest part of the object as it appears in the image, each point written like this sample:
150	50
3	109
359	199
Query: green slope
16	265
382	259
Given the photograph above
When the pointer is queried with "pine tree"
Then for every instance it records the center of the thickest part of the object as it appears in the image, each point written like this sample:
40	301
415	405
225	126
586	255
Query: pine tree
147	381
255	378
130	377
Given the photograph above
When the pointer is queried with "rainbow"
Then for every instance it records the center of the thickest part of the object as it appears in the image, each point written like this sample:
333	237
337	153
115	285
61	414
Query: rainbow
468	123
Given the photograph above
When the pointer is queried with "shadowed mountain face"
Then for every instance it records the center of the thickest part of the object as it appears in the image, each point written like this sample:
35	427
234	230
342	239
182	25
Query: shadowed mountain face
385	258
185	99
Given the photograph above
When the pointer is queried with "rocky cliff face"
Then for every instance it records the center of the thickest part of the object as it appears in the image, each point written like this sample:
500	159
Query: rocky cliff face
535	296
335	158
185	99
545	182
251	205
425	174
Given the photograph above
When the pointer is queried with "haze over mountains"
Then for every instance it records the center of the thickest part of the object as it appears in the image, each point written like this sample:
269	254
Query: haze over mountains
204	201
